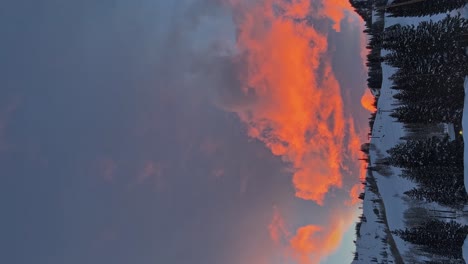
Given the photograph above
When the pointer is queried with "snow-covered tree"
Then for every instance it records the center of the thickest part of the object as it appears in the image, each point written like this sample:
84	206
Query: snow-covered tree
423	7
438	237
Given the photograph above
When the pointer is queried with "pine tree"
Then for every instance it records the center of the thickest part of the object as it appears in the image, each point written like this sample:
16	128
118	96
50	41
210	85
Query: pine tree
363	8
428	92
431	44
424	8
434	236
432	67
428	111
428	85
436	165
450	176
439	194
426	152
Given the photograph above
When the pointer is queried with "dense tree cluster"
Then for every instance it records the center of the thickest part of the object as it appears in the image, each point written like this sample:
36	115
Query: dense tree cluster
436	165
427	152
364	9
423	7
431	65
437	237
374	23
433	46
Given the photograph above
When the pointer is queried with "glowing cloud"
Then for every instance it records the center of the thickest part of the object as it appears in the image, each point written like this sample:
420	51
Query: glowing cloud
354	194
311	243
367	101
303	242
291	101
295	110
335	10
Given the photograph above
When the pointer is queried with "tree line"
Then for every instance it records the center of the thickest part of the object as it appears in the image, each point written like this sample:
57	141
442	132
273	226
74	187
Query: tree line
431	64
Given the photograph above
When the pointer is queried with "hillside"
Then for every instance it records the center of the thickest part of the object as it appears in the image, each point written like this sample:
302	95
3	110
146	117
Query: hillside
386	207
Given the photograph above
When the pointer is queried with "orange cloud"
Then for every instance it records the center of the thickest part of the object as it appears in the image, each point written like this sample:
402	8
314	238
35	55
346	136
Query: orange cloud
312	243
367	101
304	244
292	103
354	143
335	10
295	111
354	194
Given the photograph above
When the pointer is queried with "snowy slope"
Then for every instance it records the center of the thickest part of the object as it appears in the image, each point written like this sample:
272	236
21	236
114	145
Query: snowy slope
387	133
374	244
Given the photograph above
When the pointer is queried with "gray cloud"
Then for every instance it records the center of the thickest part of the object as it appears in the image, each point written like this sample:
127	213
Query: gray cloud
132	83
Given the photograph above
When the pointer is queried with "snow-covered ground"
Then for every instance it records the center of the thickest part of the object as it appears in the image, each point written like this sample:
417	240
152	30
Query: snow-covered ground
386	134
371	243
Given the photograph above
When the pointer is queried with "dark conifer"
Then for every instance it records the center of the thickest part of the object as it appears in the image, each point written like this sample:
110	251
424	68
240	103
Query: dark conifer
442	238
423	8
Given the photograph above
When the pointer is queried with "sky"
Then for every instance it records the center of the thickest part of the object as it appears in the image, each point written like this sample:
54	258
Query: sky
182	131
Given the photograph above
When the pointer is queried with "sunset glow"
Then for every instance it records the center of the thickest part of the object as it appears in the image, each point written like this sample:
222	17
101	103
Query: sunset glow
295	107
367	101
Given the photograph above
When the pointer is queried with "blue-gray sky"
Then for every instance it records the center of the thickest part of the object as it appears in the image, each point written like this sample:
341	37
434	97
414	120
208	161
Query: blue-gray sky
121	138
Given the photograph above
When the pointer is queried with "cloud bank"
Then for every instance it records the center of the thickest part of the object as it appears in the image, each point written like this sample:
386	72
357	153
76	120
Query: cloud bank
293	104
